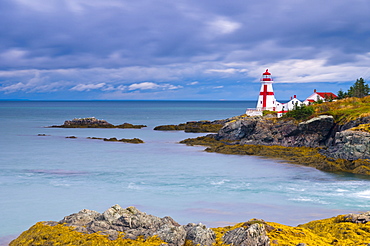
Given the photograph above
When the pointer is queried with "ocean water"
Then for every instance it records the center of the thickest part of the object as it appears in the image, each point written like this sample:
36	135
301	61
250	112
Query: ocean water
49	177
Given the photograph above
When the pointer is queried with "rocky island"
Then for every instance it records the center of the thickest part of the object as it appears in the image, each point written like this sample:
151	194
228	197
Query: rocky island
334	137
198	126
92	122
118	226
123	140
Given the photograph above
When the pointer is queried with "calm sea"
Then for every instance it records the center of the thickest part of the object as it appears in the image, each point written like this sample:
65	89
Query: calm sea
49	177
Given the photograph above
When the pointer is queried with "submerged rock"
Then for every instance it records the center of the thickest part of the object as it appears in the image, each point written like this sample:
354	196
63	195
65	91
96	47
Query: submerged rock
124	140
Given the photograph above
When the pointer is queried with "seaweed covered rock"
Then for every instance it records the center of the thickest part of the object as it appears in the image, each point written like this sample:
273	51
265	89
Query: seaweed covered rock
339	230
193	126
119	225
123	140
92	122
307	156
129	125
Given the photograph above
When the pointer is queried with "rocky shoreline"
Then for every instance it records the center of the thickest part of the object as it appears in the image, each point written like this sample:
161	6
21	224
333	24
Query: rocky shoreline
118	226
194	126
319	142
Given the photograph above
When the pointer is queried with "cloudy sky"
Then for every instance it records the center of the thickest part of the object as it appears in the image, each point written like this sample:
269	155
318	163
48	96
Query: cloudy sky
183	49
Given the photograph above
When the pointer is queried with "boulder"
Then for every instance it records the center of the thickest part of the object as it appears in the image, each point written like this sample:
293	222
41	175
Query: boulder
362	218
253	235
199	234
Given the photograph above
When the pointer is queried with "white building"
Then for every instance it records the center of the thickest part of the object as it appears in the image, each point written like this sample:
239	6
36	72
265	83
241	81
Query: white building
285	107
267	100
316	96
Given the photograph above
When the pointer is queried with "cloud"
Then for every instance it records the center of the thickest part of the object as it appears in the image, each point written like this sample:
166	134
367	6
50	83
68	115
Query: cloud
222	25
87	87
143	86
151	86
145	46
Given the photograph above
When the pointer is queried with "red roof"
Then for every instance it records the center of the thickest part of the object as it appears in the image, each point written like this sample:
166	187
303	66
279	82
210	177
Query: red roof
310	100
326	94
267	72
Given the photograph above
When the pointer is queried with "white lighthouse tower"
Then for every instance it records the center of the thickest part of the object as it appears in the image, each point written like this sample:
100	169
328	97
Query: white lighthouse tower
266	99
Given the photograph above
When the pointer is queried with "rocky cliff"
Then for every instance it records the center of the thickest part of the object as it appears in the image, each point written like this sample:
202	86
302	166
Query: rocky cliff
336	141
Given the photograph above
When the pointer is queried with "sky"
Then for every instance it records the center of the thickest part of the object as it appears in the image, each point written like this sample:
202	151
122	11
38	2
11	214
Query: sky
180	50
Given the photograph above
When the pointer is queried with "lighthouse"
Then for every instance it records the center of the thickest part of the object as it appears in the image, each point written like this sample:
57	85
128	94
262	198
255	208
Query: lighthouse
266	99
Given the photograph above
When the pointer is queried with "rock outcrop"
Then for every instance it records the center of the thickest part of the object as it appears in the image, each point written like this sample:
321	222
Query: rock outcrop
131	224
349	145
336	141
134	223
269	131
362	218
92	122
118	226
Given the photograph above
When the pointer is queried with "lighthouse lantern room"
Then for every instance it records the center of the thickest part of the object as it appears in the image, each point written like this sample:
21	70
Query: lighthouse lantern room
266	99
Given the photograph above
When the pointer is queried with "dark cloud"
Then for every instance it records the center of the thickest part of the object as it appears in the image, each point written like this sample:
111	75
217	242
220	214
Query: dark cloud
119	43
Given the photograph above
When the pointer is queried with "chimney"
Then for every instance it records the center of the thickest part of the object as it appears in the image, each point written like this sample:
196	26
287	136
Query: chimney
295	96
314	90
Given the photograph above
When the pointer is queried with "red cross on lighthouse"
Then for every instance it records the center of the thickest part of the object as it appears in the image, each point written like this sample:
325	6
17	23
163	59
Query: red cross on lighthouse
266	98
265	93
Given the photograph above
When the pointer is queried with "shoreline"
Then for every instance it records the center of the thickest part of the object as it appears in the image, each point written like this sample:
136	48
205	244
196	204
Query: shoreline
130	225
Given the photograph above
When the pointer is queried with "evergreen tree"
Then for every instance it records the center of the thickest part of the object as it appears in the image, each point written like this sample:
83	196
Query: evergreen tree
359	89
342	94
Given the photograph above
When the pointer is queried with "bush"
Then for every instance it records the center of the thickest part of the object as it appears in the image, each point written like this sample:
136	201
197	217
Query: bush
302	112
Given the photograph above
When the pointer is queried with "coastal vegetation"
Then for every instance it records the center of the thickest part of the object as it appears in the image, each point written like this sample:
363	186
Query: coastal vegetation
345	110
42	234
349	105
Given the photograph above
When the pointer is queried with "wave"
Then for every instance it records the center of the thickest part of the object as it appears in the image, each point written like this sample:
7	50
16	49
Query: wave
363	194
219	182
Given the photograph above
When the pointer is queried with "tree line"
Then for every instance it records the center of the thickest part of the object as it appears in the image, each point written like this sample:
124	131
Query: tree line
358	89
